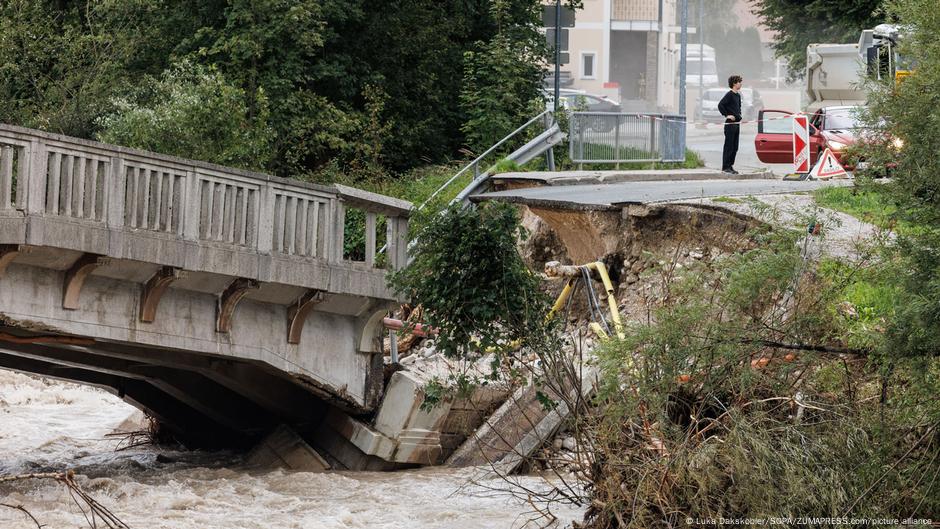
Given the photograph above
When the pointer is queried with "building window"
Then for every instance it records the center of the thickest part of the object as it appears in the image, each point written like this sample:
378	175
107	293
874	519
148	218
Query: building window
587	65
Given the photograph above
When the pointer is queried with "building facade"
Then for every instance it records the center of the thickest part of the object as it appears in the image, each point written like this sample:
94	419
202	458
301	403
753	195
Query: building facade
627	50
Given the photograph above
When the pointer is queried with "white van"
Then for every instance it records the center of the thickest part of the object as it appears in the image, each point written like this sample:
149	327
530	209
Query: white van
708	68
700	60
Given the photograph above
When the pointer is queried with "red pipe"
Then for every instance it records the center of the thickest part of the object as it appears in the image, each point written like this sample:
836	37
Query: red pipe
418	329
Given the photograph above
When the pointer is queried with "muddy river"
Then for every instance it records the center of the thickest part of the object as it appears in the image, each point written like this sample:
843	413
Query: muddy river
51	426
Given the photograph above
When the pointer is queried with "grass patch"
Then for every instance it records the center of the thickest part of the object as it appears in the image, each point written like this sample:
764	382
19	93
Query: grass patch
867	203
728	200
598	151
504	166
415	185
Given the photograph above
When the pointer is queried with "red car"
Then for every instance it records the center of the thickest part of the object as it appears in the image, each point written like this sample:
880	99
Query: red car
833	127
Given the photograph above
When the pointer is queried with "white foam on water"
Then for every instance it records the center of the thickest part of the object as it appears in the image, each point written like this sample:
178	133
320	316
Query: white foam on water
51	426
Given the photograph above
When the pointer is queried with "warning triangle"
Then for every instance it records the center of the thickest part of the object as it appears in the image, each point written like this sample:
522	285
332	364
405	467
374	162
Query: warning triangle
827	167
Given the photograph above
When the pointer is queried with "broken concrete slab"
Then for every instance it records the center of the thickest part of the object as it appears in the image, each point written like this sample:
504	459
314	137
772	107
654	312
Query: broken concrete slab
284	448
518	428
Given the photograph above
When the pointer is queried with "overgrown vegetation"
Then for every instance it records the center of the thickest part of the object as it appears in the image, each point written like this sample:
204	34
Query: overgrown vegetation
369	86
866	201
763	386
903	111
189	103
471	281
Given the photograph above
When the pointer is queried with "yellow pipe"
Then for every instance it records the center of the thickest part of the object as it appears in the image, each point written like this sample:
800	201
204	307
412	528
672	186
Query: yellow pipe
594	326
562	298
599	331
611	298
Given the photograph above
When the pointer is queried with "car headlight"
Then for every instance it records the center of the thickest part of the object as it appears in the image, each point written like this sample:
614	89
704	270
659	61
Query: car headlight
836	145
898	143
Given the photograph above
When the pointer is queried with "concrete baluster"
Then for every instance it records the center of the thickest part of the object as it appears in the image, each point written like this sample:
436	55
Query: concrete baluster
115	186
265	220
370	239
317	243
191	206
6	176
337	233
79	196
32	177
391	230
54	175
402	244
301	243
290	224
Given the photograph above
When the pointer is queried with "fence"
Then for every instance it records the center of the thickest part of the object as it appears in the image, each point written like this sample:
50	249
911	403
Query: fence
105	186
608	137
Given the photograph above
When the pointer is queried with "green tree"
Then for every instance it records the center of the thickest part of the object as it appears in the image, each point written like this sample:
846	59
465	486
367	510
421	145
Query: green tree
799	23
193	112
471	280
502	78
346	81
906	112
55	69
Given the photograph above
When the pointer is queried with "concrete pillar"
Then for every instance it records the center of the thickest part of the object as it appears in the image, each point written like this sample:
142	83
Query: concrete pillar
34	175
652	66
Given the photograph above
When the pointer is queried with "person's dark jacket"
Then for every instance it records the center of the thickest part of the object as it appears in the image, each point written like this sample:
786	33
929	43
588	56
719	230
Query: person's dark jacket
731	104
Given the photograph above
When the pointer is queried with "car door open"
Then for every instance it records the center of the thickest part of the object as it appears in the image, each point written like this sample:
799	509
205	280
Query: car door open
774	140
774	143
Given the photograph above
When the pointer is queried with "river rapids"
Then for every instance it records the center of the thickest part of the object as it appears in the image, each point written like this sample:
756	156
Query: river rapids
51	426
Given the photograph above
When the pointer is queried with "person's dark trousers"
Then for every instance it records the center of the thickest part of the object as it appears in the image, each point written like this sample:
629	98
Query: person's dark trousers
730	150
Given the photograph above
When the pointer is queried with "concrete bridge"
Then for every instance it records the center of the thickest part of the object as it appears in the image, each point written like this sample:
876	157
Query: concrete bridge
223	302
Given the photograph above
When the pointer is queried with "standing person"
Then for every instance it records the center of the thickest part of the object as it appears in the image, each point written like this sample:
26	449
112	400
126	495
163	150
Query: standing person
730	108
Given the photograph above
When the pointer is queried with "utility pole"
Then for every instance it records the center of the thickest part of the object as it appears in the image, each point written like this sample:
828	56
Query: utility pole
701	59
683	44
557	52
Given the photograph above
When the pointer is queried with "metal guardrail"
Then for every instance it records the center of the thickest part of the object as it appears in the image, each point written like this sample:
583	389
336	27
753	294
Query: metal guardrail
545	117
107	186
611	137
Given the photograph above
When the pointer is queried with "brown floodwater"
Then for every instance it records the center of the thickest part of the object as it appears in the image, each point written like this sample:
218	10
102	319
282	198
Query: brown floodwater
52	426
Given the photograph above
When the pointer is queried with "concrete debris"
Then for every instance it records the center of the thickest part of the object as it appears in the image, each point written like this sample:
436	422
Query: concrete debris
570	443
285	449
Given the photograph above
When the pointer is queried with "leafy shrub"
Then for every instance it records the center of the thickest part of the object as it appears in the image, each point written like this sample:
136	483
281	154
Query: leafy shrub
471	281
193	112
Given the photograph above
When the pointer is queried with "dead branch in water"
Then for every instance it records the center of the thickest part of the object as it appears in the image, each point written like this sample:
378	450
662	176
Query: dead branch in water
130	440
23	509
93	511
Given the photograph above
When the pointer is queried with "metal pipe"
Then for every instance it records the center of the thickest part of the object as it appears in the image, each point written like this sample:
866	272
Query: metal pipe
556	269
557	53
701	59
683	43
418	329
393	345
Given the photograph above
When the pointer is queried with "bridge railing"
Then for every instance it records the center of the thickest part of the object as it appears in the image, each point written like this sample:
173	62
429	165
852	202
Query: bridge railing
116	187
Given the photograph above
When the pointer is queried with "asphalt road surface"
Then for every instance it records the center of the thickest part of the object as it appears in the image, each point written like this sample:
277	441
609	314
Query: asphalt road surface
708	140
652	192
